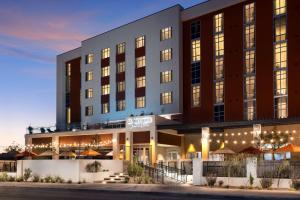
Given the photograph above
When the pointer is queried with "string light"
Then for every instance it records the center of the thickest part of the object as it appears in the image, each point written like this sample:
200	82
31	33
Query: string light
243	142
234	142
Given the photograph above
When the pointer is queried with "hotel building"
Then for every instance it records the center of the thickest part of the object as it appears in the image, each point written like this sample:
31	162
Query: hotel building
181	82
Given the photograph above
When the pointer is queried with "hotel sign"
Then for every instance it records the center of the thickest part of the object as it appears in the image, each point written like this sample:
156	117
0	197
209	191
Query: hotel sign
139	122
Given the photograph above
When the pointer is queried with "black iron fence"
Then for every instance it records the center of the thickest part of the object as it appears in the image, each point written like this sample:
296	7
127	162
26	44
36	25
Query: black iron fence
8	166
155	173
179	175
278	169
224	169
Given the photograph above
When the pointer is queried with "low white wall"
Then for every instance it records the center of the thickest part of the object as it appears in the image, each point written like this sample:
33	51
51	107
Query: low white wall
69	169
13	174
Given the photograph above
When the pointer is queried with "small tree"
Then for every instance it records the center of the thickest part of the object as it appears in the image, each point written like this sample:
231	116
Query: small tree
27	174
14	147
93	167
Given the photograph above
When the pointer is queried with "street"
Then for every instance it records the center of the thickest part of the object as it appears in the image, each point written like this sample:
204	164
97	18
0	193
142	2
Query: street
26	193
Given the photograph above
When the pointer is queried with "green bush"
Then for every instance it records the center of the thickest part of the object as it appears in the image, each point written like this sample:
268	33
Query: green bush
147	179
296	184
58	179
93	167
3	177
220	183
251	180
27	174
127	179
211	180
69	181
266	183
11	179
48	179
20	179
135	170
35	178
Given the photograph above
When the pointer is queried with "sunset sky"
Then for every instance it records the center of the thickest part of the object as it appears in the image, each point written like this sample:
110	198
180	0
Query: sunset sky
32	33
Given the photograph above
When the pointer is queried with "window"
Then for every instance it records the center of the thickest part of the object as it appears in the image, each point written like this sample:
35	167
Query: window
68	78
280	55
249	37
165	98
219	113
280	82
250	110
89	111
121	105
105	108
196	73
140	102
196	50
68	115
121	48
219	69
121	86
249	62
281	108
218	23
89	76
165	33
280	28
219	44
249	13
140	42
105	71
250	87
89	93
280	7
105	53
120	67
165	55
140	61
195	30
89	58
105	89
219	92
196	95
166	76
140	82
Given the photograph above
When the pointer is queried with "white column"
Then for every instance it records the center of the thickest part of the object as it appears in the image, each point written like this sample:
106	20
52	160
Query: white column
116	149
153	144
128	145
198	178
55	145
205	143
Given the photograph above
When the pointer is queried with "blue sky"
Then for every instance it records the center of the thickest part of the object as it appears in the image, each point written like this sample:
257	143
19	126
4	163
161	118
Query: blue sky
32	33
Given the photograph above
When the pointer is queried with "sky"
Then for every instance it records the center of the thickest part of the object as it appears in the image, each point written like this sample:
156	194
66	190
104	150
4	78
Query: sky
32	33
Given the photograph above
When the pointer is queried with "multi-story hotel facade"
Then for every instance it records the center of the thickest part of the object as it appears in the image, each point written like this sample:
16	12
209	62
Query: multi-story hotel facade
182	82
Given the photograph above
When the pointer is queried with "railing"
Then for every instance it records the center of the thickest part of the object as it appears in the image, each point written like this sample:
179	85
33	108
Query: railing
8	166
156	174
278	169
179	175
224	169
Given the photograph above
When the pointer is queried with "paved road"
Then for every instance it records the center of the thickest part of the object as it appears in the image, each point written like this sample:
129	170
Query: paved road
23	193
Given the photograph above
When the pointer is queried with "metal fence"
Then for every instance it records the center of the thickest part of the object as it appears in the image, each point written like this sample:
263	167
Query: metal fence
224	169
278	169
8	166
155	173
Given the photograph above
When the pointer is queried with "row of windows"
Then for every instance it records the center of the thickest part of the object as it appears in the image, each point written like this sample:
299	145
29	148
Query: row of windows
140	102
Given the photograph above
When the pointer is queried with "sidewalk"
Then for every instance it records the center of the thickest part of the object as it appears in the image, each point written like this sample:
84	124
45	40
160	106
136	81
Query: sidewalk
175	189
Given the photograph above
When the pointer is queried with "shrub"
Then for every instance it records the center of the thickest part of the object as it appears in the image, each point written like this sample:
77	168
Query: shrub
127	179
3	177
220	183
135	170
11	179
266	183
296	184
20	179
211	180
27	174
251	180
35	178
48	179
242	187
93	167
58	179
69	181
147	180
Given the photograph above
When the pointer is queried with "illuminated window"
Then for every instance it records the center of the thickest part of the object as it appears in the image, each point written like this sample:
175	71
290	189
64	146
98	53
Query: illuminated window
249	13
166	76
140	42
196	74
89	93
140	82
121	86
249	36
219	44
121	105
68	78
105	89
250	110
281	108
165	98
279	7
89	111
89	58
280	28
280	82
120	67
140	61
165	33
249	62
105	53
196	50
165	55
218	23
219	68
68	115
105	71
250	87
121	48
219	92
196	95
140	102
280	55
104	108
195	30
89	76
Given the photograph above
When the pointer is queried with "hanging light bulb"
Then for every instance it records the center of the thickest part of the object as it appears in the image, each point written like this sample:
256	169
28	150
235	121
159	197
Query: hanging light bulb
292	138
243	142
234	142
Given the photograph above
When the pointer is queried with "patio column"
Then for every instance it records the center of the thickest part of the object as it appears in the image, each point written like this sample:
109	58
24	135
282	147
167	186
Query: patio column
153	144
55	145
115	143
128	145
205	143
